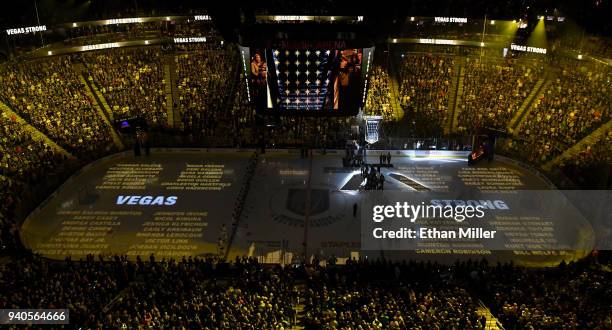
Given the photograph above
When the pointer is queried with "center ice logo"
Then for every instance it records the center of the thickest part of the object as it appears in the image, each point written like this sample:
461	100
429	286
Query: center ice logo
288	206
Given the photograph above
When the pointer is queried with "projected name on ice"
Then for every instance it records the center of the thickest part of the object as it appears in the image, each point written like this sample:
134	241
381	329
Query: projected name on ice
146	200
29	29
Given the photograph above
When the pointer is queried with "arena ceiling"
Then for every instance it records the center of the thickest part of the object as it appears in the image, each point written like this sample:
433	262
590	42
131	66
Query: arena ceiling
590	14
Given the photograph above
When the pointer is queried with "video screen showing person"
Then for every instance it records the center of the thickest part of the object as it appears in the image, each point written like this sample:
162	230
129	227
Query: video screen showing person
347	80
259	78
302	79
317	80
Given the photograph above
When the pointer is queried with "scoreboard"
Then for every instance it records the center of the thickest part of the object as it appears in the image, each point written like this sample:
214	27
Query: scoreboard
307	78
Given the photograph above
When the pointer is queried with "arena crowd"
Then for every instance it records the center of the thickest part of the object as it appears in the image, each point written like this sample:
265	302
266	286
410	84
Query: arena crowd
114	292
577	101
424	88
131	81
51	96
494	91
378	102
24	163
202	79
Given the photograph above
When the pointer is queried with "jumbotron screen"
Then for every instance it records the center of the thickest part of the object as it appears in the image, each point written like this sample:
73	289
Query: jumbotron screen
308	80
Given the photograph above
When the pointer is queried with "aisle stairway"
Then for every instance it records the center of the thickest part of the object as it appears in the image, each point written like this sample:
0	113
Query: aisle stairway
80	69
99	103
34	132
394	87
454	99
523	112
229	102
492	322
577	148
298	307
170	88
398	112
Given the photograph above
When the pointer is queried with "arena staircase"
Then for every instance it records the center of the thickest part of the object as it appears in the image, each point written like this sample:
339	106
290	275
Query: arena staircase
228	103
454	99
99	103
170	88
394	87
540	87
93	90
298	307
88	90
398	112
34	132
579	147
117	299
492	322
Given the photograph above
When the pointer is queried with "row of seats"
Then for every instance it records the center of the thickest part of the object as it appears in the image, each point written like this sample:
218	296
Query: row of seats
577	101
574	101
425	82
24	162
131	81
203	78
494	91
49	95
114	292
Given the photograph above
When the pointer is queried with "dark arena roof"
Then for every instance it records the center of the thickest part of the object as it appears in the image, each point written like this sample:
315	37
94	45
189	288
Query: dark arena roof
306	164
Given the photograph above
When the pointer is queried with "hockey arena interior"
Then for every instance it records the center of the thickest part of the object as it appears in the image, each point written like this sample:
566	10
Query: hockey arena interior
306	165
